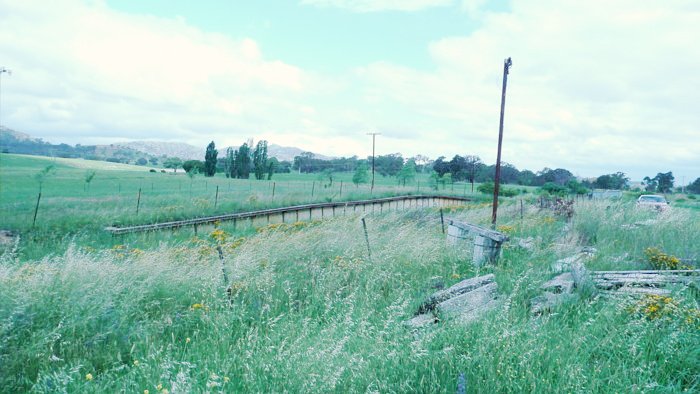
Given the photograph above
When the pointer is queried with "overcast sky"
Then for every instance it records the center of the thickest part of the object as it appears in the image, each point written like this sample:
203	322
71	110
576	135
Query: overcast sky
596	86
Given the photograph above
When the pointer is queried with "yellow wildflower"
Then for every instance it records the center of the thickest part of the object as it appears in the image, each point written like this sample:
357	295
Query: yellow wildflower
226	379
219	235
88	377
137	252
506	229
187	340
136	363
661	260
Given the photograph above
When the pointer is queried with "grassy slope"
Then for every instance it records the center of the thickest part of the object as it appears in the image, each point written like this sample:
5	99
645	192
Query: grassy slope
69	210
310	312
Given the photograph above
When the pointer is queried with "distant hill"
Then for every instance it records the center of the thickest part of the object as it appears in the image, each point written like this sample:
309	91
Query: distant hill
164	148
191	152
12	141
9	133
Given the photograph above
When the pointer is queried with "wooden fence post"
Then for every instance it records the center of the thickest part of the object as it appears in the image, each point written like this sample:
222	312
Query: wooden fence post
36	209
216	199
369	251
442	221
138	202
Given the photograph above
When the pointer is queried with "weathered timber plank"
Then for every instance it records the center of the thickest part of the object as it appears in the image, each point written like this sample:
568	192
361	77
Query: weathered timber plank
478	230
462	287
656	272
637	291
469	301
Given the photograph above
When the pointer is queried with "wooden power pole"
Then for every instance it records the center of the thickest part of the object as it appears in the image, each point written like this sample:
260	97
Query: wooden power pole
506	67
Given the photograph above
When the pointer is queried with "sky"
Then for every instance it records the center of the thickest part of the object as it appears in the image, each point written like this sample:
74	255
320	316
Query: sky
595	87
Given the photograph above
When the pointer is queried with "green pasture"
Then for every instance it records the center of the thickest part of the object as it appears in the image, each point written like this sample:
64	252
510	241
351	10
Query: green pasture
72	209
310	311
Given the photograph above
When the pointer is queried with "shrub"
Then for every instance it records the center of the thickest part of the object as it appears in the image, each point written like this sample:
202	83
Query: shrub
662	261
151	170
553	188
487	188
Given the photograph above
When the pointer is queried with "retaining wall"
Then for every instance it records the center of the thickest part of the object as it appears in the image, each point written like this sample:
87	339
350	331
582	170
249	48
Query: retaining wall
304	212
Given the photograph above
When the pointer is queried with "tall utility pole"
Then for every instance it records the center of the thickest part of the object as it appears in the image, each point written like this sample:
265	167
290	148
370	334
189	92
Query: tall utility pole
2	70
506	66
374	135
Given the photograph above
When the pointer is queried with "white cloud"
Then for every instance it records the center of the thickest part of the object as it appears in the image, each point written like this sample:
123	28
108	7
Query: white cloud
378	5
597	86
81	69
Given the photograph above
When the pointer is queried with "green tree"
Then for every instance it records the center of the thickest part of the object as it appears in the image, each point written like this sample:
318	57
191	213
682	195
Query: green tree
694	187
210	160
260	159
441	167
242	162
473	164
575	187
189	165
272	164
141	161
388	165
649	184
407	172
44	173
361	174
555	189
616	181
327	174
229	163
434	180
172	162
191	174
664	182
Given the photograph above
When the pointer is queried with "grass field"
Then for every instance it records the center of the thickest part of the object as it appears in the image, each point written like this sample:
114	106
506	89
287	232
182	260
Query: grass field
70	208
309	310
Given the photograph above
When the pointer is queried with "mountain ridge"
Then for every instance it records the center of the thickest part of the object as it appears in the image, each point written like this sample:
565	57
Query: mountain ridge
187	151
17	142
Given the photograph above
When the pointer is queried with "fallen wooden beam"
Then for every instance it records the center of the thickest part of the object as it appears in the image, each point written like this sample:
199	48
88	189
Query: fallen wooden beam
478	230
462	287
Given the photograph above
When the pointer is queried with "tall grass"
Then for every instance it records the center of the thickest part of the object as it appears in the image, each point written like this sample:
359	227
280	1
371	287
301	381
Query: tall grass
309	311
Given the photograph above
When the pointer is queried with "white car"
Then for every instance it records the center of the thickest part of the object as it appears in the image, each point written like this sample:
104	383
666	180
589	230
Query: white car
652	201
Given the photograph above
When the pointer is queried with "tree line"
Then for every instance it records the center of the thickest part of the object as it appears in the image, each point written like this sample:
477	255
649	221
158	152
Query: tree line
236	163
253	159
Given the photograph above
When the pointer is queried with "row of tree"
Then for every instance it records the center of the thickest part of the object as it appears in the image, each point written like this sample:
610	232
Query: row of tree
238	163
248	159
